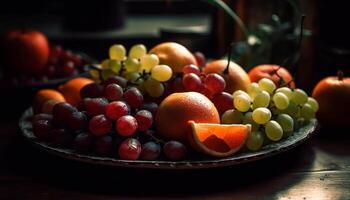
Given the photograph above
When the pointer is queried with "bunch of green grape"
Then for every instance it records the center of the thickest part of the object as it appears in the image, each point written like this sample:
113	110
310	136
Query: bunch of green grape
138	67
274	113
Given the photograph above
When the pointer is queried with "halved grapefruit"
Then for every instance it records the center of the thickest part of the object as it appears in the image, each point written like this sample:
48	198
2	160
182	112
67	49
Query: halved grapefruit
219	140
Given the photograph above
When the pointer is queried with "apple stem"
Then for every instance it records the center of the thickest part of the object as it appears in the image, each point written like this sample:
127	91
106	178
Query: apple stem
340	75
229	57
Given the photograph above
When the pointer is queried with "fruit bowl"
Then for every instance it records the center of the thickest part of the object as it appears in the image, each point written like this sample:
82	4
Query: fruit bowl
295	139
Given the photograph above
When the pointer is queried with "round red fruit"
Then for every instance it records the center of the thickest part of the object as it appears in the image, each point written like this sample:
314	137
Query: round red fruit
133	97
96	106
126	125
144	120
130	149
113	92
117	109
100	125
223	101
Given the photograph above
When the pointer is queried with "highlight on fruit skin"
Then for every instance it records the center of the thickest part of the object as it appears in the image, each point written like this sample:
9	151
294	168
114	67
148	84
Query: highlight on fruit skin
218	140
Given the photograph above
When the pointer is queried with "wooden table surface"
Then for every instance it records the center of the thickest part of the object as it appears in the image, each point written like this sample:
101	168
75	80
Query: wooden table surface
318	169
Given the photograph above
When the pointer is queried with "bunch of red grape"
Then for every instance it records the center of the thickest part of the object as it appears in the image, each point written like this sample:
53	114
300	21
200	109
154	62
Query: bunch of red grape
211	85
112	119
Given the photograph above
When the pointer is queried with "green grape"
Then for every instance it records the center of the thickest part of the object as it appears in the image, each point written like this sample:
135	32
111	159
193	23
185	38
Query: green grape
117	52
267	85
313	103
242	102
132	65
239	92
248	119
255	140
115	66
299	122
132	77
107	73
281	100
137	51
299	97
292	110
161	73
286	122
254	90
231	117
153	87
148	61
273	130
261	100
105	64
285	90
261	115
307	112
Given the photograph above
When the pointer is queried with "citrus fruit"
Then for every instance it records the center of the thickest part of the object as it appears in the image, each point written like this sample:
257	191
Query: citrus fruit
219	140
71	89
236	78
44	95
269	71
174	55
178	108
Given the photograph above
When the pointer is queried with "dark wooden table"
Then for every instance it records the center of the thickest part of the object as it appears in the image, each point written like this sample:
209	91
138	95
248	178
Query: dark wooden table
318	169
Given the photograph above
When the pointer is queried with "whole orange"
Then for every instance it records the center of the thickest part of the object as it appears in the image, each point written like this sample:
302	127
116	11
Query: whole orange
174	55
45	95
333	95
236	78
71	89
25	51
269	71
177	109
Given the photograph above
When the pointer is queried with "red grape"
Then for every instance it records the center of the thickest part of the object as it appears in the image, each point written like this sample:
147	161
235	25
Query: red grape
77	121
133	97
129	149
100	125
223	101
68	69
91	90
191	82
96	106
122	82
151	106
113	92
215	83
200	58
103	145
144	120
126	125
191	69
150	151
204	90
60	137
55	51
177	86
61	112
42	128
174	150
117	109
83	142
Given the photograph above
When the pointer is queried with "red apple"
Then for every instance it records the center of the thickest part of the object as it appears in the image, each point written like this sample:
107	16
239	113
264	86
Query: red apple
25	51
269	71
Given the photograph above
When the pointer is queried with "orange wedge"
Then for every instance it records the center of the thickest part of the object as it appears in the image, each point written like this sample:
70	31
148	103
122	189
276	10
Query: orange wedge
219	140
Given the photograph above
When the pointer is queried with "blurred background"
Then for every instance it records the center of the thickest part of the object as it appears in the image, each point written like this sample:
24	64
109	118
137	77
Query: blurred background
92	26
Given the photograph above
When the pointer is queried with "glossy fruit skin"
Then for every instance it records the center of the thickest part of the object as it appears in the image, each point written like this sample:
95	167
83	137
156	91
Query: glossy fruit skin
150	151
268	71
174	55
25	51
174	150
71	89
223	101
333	97
83	142
117	109
61	113
129	149
77	121
126	125
144	120
42	128
91	90
113	92
236	79
100	125
96	106
178	108
44	95
133	97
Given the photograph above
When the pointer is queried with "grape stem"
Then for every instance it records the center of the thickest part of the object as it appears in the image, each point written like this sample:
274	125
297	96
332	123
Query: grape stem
294	57
229	57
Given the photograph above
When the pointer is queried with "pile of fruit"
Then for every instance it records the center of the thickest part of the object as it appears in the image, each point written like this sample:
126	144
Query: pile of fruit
164	103
28	58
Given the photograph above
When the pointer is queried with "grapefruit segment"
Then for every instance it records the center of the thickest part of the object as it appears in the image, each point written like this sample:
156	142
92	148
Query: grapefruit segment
219	140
